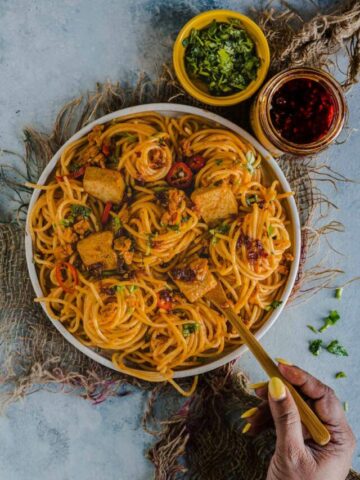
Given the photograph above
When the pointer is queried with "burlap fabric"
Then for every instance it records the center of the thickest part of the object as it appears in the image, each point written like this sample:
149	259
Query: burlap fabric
202	439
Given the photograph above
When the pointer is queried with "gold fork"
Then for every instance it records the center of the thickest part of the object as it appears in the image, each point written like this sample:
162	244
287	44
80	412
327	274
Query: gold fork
316	428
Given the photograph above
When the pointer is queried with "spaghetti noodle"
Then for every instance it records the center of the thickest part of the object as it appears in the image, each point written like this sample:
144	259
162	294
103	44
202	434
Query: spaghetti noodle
126	254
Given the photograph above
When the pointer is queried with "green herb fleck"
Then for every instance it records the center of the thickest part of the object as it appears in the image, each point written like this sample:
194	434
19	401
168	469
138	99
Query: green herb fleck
68	221
341	375
133	288
80	210
270	230
336	348
273	305
116	222
75	166
147	336
346	406
330	320
338	293
315	347
219	162
252	199
175	227
313	329
190	328
120	288
222	229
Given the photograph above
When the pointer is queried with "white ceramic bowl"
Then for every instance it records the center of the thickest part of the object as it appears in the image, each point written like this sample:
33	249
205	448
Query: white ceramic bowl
273	170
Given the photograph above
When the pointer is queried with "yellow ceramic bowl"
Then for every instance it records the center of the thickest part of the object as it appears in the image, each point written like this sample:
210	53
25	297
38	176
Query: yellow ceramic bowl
203	20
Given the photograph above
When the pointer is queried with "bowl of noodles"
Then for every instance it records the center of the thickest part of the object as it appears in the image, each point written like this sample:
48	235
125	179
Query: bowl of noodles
142	213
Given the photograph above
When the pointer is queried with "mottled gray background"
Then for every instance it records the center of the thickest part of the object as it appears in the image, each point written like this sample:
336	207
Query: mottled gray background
51	51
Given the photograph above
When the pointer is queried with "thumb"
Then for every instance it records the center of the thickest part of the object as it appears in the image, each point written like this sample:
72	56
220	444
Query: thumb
289	436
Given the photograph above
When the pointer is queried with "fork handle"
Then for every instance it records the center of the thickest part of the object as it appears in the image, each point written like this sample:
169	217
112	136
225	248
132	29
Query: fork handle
316	428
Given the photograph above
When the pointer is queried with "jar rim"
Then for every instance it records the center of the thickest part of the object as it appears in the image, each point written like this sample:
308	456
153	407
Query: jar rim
265	103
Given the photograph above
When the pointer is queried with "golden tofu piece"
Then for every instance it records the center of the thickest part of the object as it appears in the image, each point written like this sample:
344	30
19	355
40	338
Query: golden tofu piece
197	288
215	203
104	184
194	280
97	248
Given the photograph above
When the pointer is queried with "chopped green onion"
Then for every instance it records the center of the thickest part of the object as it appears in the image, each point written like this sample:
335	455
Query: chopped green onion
270	230
330	320
133	288
313	329
346	406
338	293
250	160
120	288
341	375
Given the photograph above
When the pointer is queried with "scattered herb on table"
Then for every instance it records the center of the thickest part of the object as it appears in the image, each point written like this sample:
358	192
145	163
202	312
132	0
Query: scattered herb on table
313	329
223	56
338	293
315	347
330	320
346	406
340	375
336	348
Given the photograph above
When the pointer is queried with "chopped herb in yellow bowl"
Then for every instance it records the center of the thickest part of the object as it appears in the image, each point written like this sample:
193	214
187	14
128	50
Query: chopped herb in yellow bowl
221	57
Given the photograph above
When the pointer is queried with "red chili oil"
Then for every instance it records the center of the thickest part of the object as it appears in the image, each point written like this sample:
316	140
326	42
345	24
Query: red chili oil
302	111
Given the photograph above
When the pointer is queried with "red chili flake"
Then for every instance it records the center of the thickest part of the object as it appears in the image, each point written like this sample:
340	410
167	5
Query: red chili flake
302	110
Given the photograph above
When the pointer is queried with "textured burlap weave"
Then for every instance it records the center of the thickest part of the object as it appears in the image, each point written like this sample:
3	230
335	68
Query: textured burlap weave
201	440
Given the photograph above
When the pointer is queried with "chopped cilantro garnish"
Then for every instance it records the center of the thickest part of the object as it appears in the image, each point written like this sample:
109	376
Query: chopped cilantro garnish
338	293
341	375
190	328
336	348
313	329
80	210
315	347
330	320
223	56
274	304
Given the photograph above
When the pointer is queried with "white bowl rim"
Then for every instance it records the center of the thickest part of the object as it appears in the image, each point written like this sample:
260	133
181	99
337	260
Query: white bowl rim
170	109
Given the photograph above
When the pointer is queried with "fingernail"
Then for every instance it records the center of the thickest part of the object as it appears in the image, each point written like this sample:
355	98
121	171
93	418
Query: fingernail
277	389
249	413
254	386
246	428
283	362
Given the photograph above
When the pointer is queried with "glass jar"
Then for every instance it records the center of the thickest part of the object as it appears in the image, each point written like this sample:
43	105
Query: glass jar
260	113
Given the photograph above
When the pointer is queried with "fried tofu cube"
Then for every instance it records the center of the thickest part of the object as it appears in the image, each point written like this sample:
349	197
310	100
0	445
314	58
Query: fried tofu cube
194	280
97	249
104	184
196	289
215	203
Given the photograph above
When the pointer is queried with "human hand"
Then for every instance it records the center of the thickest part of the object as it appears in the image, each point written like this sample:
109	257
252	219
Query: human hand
297	456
